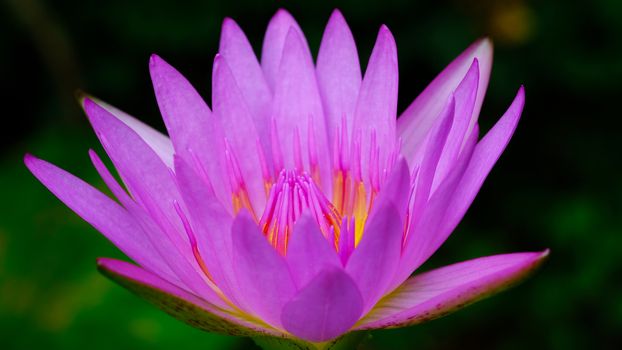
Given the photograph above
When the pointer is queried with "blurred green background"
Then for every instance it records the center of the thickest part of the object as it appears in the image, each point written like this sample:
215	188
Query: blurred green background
557	185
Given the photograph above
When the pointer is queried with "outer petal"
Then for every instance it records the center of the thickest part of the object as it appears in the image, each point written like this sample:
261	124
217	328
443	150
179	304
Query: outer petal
159	142
439	292
158	240
196	135
448	205
338	73
105	215
177	302
143	172
238	52
376	108
308	252
274	42
264	278
374	261
152	186
432	152
424	226
465	97
297	107
231	110
485	155
325	309
417	120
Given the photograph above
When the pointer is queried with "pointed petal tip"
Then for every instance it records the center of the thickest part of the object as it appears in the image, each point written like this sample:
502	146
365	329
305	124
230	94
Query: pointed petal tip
336	15
485	42
385	32
229	27
153	58
156	62
29	160
544	254
80	96
228	22
282	13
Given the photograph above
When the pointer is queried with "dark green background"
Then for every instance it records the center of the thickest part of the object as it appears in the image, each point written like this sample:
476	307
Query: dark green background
557	185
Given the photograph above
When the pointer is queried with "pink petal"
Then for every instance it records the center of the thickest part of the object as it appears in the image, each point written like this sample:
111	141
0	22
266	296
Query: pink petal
211	229
105	215
338	73
177	302
196	134
325	309
238	52
152	185
376	108
431	154
417	120
373	262
274	43
465	96
448	205
424	225
438	292
159	142
237	121
263	275
396	190
485	155
297	106
308	251
146	176
161	242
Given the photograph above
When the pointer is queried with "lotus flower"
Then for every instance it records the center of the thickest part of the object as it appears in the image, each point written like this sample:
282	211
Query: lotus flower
299	205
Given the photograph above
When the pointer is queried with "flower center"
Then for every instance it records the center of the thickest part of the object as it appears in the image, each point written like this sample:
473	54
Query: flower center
357	177
293	194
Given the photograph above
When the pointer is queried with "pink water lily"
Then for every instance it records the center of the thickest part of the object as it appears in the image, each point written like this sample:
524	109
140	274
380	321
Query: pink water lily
299	205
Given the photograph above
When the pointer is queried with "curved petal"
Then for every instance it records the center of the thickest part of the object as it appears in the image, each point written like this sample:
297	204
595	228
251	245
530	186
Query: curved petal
417	120
145	175
104	214
376	108
159	142
152	185
297	110
274	43
158	240
396	190
465	96
423	227
442	291
211	225
485	155
325	309
238	52
454	196
231	110
308	251
338	73
263	275
431	153
196	134
177	302
373	262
